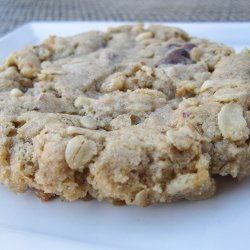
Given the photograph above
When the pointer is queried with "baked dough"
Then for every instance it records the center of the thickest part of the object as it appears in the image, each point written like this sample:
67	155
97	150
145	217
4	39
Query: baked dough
133	115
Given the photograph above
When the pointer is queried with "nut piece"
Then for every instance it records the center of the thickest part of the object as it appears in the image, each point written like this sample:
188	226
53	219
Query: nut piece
143	36
232	123
16	92
79	151
113	82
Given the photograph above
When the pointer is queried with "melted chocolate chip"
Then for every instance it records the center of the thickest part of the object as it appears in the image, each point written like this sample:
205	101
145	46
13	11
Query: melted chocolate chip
178	56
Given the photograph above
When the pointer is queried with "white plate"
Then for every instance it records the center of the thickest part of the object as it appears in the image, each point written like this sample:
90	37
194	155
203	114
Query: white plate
222	222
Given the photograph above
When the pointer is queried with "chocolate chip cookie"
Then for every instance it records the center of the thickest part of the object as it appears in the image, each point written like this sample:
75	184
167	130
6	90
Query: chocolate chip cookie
133	115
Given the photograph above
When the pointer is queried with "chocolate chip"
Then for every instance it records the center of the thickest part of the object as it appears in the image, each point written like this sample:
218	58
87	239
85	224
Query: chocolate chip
180	52
189	46
186	114
178	56
103	44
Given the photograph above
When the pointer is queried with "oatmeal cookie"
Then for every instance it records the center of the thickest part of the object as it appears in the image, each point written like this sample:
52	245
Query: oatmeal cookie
133	115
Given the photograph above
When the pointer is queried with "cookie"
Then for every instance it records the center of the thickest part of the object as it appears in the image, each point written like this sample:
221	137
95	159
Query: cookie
133	115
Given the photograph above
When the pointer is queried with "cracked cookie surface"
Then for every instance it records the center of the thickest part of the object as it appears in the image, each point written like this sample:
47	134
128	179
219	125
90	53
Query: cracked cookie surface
133	115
